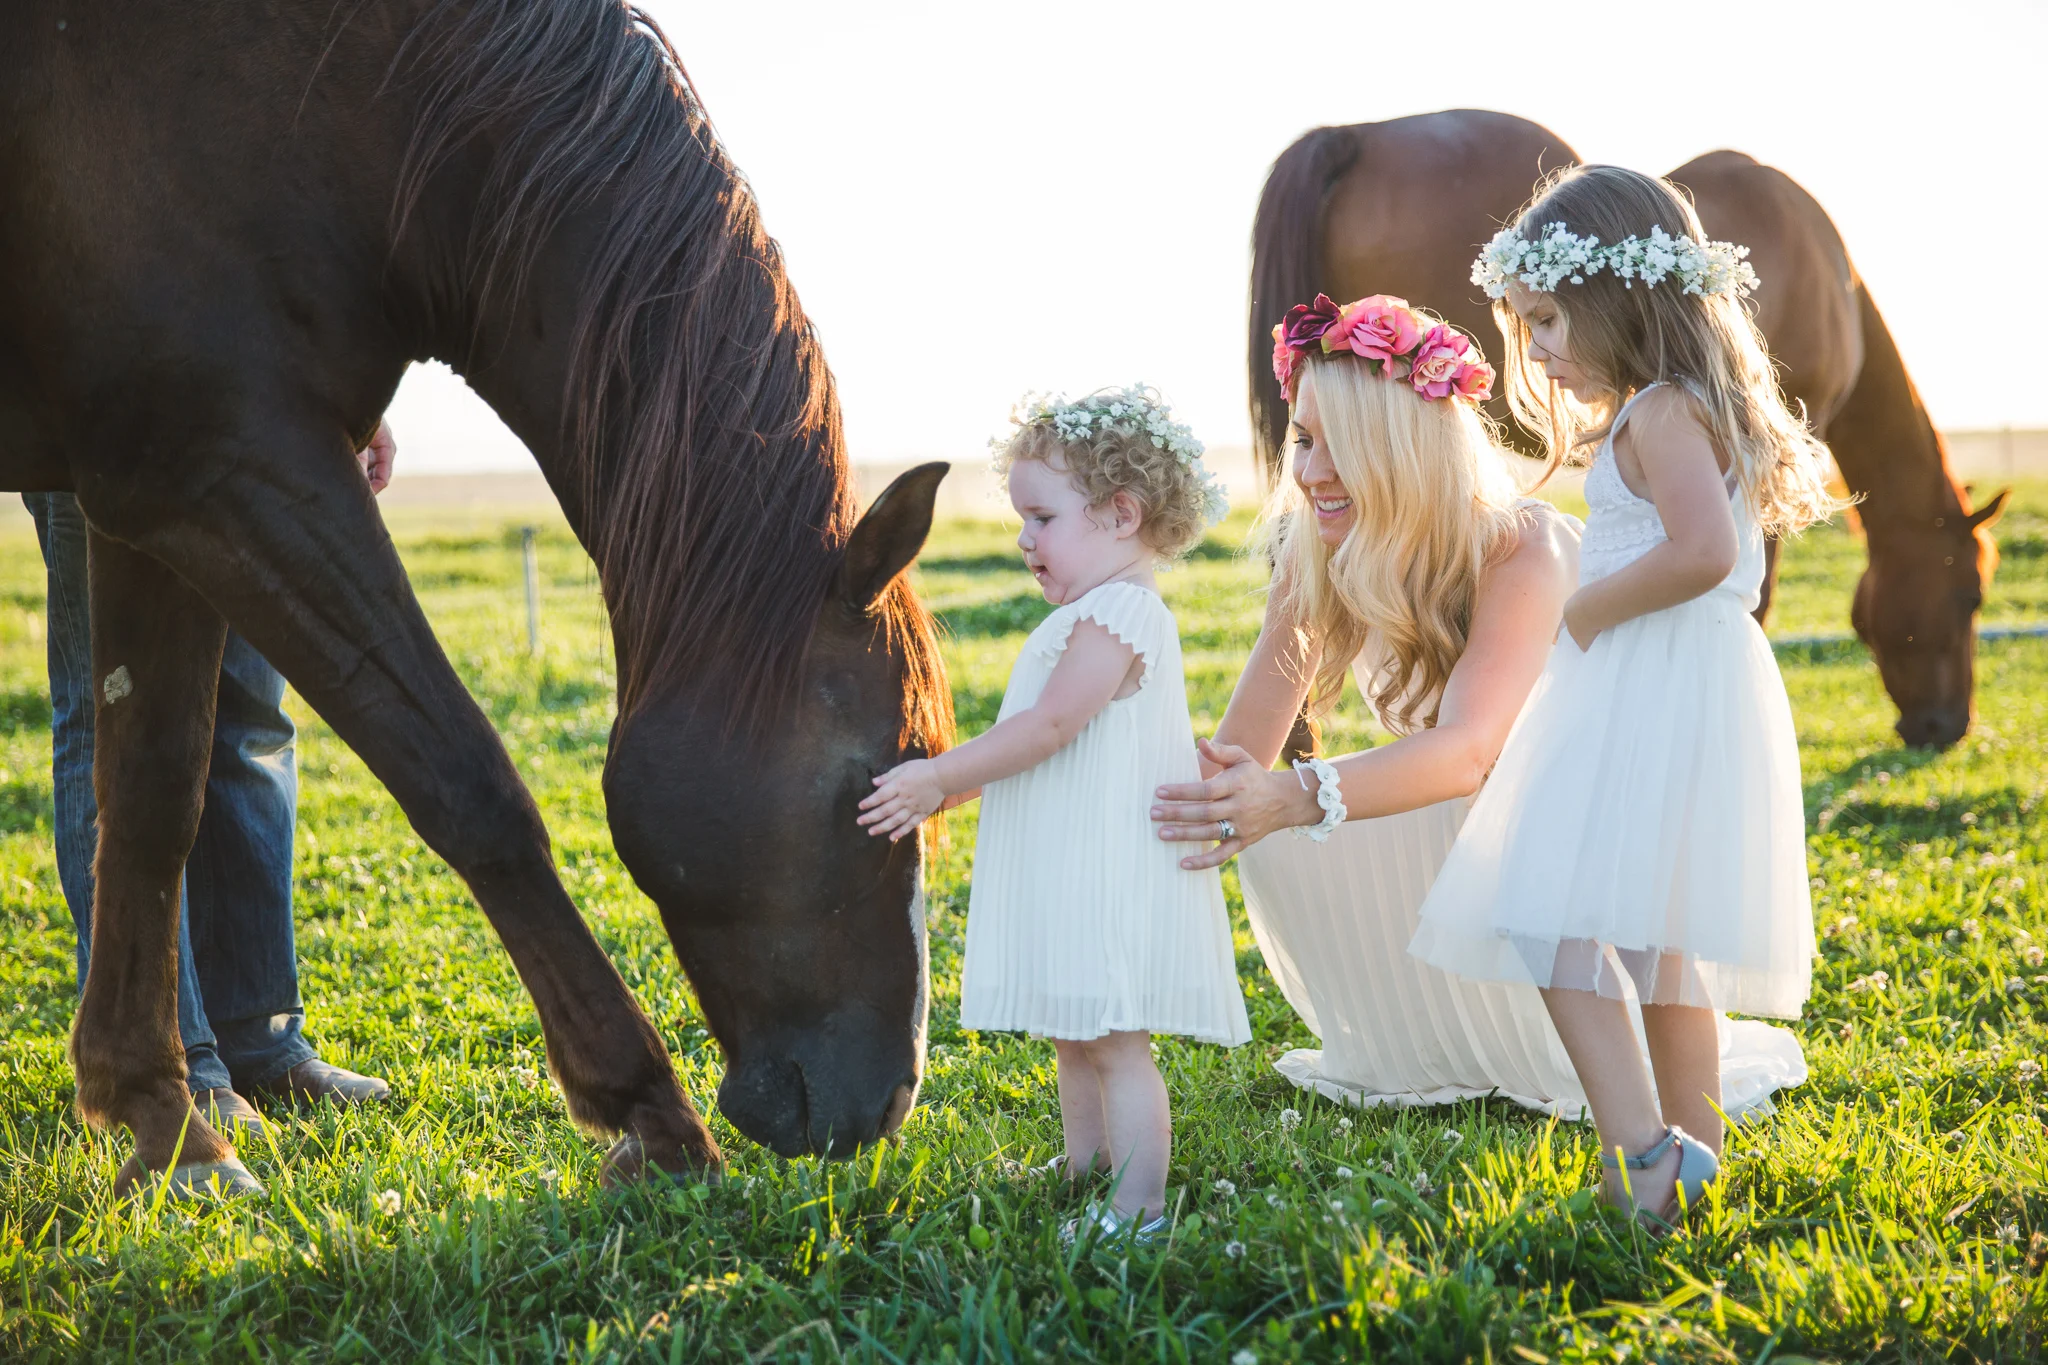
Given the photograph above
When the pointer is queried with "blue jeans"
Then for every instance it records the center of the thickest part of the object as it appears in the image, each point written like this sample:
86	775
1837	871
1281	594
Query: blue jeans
238	972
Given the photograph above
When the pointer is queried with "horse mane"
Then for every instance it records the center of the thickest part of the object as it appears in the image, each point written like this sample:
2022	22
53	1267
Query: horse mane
701	418
1287	266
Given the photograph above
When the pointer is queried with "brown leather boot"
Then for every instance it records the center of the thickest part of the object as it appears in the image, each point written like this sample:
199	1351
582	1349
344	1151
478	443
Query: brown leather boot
233	1117
315	1082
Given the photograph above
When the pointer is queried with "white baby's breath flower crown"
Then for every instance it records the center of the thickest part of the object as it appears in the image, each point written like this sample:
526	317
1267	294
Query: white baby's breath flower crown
1558	255
1135	412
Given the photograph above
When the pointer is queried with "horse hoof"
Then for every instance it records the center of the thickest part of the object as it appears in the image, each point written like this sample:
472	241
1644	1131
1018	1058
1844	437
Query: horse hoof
630	1162
228	1179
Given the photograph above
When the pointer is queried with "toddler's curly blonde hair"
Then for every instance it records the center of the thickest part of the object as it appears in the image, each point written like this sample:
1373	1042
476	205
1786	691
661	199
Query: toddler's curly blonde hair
1122	440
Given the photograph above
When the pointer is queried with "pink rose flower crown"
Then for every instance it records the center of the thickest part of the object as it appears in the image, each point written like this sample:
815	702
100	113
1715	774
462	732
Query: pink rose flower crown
1394	340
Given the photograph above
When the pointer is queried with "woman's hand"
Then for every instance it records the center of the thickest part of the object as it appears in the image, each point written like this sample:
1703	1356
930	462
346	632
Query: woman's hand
903	797
377	458
1253	799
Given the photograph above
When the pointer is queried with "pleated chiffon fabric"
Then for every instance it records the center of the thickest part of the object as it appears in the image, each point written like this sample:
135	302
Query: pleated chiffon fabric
1643	832
1081	921
1334	921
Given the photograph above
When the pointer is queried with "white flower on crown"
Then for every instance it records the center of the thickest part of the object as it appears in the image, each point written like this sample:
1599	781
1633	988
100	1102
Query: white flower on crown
1133	412
1709	269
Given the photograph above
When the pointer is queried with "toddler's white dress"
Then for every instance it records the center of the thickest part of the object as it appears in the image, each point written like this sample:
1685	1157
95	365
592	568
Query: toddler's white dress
1644	826
1081	920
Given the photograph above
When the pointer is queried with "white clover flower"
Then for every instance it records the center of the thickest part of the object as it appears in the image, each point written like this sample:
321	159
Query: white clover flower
1273	1200
389	1202
2014	985
1245	1357
1453	1136
1343	1125
1345	1172
1234	1250
1225	1188
2029	1069
1290	1119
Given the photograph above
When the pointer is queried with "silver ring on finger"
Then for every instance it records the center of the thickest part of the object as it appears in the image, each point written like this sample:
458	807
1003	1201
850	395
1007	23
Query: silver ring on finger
1229	830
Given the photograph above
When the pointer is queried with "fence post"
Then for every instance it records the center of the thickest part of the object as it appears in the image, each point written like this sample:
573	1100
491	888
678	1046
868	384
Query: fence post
526	550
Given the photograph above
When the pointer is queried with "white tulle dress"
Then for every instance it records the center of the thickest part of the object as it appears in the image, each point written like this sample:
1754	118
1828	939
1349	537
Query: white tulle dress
1080	921
1334	921
1643	832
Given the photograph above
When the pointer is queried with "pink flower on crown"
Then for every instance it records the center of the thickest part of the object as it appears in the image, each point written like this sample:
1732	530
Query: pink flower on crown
1306	323
1474	381
1443	353
1379	328
1286	360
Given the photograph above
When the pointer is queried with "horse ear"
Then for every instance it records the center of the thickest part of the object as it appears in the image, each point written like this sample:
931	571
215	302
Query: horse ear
890	535
1989	512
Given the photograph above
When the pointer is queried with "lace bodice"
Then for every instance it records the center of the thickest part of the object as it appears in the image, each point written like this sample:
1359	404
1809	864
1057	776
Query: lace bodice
1621	527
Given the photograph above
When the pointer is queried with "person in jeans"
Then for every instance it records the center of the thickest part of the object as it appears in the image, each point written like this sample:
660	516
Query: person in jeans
239	1012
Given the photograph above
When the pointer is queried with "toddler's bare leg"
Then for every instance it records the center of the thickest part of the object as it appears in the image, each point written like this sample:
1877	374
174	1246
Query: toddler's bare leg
1685	1048
1139	1121
1081	1110
1602	1045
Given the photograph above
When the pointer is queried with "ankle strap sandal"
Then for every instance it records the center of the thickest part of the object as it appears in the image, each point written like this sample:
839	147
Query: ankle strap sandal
1697	1169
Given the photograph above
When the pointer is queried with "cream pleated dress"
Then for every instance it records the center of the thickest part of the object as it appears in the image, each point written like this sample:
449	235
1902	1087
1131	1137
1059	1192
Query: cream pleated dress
1334	921
1643	833
1081	921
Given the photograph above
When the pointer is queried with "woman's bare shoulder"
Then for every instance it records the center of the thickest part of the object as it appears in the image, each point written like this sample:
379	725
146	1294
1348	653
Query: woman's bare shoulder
1543	549
1544	534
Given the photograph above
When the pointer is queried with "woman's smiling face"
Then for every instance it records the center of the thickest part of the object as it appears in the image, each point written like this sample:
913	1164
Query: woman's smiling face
1315	474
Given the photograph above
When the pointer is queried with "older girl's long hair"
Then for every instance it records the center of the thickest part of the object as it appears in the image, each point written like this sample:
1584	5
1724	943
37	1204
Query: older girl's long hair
1435	505
1628	338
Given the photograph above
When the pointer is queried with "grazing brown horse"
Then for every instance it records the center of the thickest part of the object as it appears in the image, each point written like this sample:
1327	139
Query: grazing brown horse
227	232
1401	208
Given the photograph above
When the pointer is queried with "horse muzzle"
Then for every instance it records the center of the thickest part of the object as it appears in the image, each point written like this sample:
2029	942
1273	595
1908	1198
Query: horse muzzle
1933	727
820	1094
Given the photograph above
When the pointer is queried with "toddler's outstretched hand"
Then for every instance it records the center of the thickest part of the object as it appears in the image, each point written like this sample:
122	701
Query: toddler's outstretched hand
903	797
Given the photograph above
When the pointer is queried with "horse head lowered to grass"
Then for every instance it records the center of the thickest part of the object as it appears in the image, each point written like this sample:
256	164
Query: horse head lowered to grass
228	234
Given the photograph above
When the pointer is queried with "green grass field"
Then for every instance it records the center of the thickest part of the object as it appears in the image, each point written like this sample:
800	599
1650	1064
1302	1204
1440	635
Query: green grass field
1895	1208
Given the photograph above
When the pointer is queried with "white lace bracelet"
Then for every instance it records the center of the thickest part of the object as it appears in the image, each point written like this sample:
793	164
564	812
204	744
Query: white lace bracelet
1329	795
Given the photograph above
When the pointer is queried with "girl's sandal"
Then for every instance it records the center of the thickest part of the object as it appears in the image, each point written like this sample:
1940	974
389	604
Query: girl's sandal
1697	1168
1109	1226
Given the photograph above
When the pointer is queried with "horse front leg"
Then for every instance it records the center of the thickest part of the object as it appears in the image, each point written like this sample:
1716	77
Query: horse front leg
303	567
156	648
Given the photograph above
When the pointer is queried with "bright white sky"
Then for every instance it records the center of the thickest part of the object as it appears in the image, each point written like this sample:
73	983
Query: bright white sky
976	200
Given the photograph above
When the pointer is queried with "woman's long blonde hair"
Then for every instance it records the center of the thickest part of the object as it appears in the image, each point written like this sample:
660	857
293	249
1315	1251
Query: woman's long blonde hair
1434	504
1628	338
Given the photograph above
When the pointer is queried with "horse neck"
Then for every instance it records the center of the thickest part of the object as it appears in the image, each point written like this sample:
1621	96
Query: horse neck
620	306
1885	443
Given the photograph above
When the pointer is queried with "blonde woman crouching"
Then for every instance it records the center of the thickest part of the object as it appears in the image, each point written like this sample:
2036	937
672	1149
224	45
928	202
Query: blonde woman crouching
1404	556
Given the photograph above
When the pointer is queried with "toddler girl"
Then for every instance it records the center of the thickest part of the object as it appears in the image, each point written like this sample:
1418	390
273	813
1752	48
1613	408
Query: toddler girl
1081	925
1644	826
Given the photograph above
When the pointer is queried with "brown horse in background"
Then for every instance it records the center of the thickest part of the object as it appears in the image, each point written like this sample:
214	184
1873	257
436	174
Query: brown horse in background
227	231
1401	208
